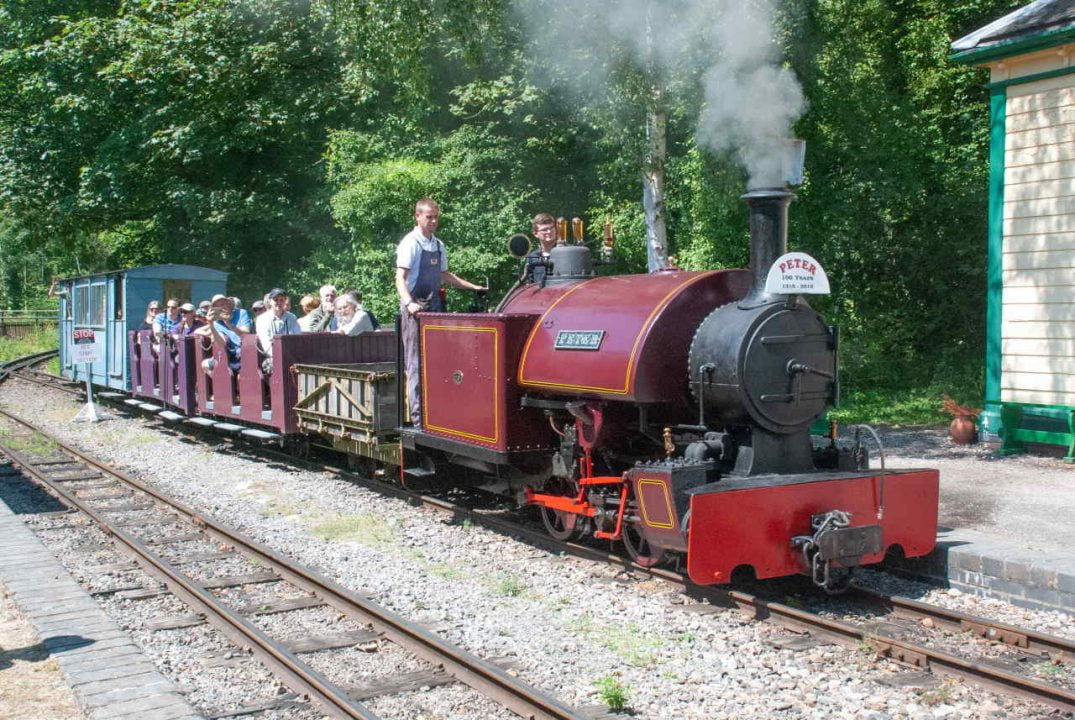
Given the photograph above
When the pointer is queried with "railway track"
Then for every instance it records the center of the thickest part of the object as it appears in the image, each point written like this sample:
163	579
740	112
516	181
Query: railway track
897	628
154	528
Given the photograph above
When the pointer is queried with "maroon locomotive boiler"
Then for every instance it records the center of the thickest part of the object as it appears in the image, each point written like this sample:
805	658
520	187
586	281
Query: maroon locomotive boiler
670	411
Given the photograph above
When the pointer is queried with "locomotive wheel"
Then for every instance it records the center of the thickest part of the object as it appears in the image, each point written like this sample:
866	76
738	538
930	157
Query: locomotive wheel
560	525
639	548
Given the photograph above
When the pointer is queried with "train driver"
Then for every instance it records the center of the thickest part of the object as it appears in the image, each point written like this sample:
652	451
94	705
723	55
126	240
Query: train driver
421	267
543	228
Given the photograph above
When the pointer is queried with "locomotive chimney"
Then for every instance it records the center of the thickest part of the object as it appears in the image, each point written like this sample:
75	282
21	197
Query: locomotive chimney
768	234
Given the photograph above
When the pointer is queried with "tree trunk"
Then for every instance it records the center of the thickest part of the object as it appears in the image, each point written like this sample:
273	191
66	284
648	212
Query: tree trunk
653	186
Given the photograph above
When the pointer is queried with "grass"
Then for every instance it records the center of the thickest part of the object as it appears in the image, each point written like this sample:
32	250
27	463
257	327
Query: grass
32	444
612	692
938	695
897	408
509	585
364	529
39	341
630	642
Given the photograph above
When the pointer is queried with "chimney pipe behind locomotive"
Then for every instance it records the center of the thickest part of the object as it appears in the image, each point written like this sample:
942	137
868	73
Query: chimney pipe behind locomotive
768	235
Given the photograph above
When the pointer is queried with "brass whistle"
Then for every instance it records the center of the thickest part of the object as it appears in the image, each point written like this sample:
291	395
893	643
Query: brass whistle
577	230
561	231
610	238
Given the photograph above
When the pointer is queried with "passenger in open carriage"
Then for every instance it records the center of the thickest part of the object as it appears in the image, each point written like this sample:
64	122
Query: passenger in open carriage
167	322
273	322
189	319
323	318
240	318
357	296
308	303
351	318
259	307
221	331
152	309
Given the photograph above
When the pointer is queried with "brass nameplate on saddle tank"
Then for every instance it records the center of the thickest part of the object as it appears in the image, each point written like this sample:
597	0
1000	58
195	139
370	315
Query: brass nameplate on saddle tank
579	340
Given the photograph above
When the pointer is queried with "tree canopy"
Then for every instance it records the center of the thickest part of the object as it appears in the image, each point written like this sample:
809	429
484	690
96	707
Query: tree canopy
286	142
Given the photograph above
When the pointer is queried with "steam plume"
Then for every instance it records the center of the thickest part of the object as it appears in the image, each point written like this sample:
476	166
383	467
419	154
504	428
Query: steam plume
749	100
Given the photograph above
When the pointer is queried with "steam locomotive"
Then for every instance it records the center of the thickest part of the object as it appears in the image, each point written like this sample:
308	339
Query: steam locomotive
670	411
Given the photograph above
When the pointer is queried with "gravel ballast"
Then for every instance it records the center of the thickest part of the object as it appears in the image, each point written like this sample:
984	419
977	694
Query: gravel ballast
571	626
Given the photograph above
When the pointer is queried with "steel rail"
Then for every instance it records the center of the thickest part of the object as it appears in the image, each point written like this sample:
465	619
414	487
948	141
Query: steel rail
1023	638
844	633
485	677
299	676
11	366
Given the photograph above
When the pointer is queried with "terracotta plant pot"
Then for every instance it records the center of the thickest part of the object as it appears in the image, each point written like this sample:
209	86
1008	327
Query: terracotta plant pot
962	430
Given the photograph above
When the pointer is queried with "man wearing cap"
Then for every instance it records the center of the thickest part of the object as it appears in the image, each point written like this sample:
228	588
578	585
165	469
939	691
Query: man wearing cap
221	329
189	320
257	308
275	321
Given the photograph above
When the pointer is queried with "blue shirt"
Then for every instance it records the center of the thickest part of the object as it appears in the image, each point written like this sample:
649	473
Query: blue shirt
241	319
233	344
161	323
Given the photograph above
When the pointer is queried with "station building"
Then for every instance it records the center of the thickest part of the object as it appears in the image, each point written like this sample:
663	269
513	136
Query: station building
1030	316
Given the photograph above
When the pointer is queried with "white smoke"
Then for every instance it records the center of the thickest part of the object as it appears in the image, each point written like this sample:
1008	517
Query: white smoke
749	101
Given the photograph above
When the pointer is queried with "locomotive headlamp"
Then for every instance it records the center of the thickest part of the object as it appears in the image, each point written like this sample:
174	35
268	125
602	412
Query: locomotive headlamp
518	245
792	161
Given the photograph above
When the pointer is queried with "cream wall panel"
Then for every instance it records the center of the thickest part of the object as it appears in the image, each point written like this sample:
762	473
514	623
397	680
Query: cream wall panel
1029	295
1064	187
1033	91
1037	173
1042	312
1042	364
1038	225
1040	260
1047	381
1054	347
1033	397
1039	155
1017	138
1036	278
1039	243
1021	102
1037	119
1037	330
1040	207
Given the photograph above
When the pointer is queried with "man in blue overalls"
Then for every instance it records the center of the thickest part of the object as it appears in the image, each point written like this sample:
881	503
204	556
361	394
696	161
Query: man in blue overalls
421	267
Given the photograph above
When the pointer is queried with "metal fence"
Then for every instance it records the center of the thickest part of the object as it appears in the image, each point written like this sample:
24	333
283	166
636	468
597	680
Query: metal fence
20	323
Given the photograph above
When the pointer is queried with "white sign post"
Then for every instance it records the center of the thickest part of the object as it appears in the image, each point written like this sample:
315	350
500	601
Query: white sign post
86	349
796	273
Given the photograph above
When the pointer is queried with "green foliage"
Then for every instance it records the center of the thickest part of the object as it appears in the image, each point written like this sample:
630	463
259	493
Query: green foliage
287	143
509	585
612	692
39	341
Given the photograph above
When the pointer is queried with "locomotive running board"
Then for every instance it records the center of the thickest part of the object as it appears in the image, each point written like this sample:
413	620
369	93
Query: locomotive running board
413	439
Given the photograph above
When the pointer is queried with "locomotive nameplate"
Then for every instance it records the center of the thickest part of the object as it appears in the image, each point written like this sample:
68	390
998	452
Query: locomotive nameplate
579	340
